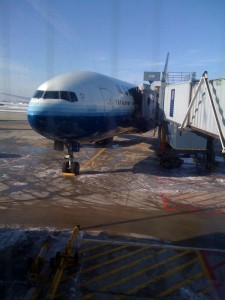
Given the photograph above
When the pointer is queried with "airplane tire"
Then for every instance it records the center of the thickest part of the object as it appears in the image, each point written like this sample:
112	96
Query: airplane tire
75	168
65	167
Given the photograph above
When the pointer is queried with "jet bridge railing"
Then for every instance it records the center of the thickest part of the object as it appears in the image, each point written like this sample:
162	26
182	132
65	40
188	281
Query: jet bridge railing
175	77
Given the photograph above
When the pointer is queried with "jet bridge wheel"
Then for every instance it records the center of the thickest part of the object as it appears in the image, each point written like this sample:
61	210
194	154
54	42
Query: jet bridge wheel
167	164
171	163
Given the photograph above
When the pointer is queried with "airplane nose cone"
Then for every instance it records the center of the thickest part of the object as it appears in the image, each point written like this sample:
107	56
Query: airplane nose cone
38	123
40	119
55	121
59	120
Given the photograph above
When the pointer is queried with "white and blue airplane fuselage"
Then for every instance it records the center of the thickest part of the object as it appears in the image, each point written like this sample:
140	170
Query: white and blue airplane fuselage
82	107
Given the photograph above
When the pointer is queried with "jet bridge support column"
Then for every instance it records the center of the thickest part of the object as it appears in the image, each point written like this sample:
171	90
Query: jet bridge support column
210	153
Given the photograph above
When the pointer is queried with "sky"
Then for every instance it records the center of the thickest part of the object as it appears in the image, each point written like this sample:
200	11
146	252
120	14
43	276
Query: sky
40	39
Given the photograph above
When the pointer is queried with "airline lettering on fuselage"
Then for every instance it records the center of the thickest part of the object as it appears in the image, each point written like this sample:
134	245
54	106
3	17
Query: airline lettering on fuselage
119	102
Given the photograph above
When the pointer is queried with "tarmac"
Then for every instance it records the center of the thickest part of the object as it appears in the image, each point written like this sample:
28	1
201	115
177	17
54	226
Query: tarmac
122	194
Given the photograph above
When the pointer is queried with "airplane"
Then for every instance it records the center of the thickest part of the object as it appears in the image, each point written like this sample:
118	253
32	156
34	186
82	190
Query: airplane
86	107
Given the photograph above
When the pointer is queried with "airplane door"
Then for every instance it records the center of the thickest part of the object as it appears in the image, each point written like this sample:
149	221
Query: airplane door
148	106
108	101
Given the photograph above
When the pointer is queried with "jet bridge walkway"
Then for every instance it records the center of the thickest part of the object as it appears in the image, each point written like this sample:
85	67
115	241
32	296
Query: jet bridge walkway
206	111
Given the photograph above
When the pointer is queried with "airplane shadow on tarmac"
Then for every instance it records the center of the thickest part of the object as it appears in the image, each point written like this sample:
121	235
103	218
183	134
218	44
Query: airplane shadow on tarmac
9	155
128	141
151	166
16	129
105	172
132	140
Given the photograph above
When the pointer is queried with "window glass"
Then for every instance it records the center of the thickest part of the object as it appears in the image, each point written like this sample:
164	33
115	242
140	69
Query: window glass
125	90
172	98
129	92
120	89
51	95
73	97
38	94
65	95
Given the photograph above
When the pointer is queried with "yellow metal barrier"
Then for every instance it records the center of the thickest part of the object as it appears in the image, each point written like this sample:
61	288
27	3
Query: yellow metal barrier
64	260
37	264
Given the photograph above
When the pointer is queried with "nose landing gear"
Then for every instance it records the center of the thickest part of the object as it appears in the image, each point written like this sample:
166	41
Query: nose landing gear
69	165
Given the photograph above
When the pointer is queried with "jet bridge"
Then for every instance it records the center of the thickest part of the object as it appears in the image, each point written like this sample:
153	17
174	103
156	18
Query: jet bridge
206	111
197	107
192	119
190	116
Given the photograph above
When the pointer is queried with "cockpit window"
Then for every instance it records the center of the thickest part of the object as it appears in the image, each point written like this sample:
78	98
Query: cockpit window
119	89
68	96
73	97
64	95
51	95
125	90
38	94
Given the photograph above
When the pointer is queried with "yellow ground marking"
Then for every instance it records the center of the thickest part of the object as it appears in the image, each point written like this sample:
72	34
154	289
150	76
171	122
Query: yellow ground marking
98	245
124	267
68	174
117	155
144	270
90	161
207	275
116	259
89	296
104	253
173	288
165	274
140	145
180	284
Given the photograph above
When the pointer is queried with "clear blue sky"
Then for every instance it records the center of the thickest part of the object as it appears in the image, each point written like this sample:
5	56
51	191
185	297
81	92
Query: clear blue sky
121	38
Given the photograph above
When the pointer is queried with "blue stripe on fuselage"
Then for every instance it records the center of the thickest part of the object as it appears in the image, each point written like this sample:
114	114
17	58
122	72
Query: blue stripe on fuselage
88	110
76	127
